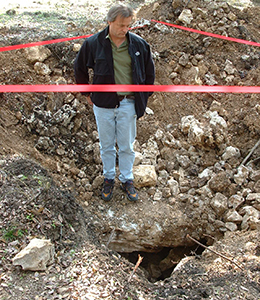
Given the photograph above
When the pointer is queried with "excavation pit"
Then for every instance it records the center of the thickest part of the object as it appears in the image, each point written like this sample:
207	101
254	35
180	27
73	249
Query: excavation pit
159	266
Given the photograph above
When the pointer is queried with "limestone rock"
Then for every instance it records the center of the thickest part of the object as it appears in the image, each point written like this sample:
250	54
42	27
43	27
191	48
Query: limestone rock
250	218
138	158
76	47
219	182
242	175
235	201
229	68
186	16
174	186
39	53
219	203
145	175
209	133
231	226
233	216
230	152
152	224
41	68
36	256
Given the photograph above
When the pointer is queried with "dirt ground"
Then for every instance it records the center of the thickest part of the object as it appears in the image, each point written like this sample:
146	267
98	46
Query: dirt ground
36	202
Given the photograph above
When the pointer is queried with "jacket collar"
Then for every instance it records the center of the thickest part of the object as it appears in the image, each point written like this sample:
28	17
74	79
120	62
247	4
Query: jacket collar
104	33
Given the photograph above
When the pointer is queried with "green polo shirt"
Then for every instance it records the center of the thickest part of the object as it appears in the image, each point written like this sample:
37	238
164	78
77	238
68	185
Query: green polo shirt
122	65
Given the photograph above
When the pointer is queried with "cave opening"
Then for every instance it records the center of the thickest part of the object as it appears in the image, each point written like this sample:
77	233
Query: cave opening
159	265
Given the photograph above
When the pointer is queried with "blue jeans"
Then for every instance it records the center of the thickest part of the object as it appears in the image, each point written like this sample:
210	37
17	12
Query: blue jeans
117	125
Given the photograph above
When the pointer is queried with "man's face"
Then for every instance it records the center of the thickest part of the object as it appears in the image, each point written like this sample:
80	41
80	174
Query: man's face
119	28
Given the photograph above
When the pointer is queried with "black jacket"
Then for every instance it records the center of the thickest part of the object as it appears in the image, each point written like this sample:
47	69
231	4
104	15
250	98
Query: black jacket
96	54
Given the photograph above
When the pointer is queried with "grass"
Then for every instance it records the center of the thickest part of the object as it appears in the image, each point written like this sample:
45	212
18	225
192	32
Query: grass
12	234
52	18
40	23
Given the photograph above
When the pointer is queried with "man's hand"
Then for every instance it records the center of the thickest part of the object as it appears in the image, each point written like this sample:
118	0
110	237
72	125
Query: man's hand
89	100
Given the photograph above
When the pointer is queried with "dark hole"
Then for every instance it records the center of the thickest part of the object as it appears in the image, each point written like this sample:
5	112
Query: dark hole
159	266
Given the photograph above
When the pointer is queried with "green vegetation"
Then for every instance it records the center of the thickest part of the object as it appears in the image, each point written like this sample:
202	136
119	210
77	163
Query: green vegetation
11	234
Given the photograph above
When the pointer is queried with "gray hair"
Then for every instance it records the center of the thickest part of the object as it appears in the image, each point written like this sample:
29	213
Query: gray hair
122	10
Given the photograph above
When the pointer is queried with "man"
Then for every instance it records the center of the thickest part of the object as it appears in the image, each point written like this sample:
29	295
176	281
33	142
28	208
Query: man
116	57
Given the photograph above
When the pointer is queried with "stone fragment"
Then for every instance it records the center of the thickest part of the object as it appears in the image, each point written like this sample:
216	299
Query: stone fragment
186	16
231	152
156	6
250	218
233	216
231	226
235	201
242	175
36	256
229	68
231	16
174	186
145	175
219	203
76	47
183	160
255	175
209	133
210	79
184	59
39	53
219	182
253	197
138	158
215	119
41	68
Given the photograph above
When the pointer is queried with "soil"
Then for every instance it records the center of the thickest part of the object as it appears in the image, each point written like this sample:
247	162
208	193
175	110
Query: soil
38	201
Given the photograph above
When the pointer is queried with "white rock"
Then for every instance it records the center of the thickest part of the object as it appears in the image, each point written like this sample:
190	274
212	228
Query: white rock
215	119
250	211
36	256
219	203
138	158
187	122
253	197
157	196
206	173
76	47
242	175
234	201
174	186
39	53
231	226
229	68
231	152
233	216
145	175
149	111
186	16
41	68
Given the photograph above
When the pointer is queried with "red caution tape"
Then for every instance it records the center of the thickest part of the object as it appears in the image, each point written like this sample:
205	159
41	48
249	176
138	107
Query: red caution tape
15	47
128	88
210	34
41	43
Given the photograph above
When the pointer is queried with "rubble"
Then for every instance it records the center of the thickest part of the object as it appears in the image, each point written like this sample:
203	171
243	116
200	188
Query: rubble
216	192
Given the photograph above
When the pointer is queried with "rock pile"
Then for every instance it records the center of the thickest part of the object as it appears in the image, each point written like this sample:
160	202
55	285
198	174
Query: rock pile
221	191
196	62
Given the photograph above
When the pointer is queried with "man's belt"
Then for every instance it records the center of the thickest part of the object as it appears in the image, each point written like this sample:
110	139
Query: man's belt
126	97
